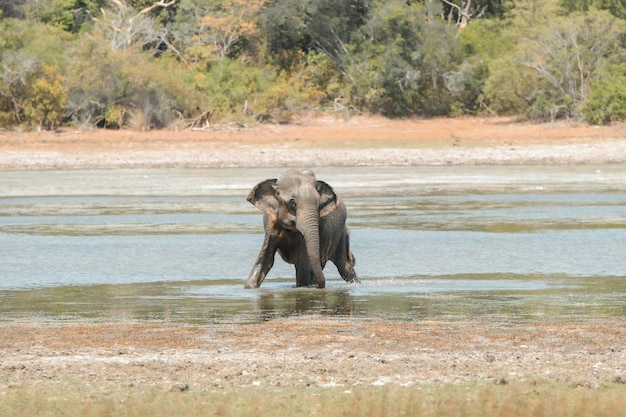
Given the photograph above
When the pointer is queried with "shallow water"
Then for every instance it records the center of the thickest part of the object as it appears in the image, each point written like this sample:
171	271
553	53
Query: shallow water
448	242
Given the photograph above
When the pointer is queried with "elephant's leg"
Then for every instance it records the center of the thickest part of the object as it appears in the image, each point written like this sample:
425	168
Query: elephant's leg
264	261
344	260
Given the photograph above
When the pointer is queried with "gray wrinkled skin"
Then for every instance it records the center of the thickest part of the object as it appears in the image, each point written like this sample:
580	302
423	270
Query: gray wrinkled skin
305	222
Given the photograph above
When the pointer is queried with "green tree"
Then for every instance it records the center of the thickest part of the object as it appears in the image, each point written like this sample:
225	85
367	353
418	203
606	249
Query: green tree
568	57
69	15
551	72
528	14
332	24
207	31
25	49
125	27
12	8
488	39
616	7
326	26
399	67
463	11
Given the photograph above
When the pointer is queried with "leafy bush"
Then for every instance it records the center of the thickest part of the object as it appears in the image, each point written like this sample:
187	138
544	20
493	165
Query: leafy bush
32	61
106	87
287	97
510	86
466	85
45	99
239	91
607	102
231	88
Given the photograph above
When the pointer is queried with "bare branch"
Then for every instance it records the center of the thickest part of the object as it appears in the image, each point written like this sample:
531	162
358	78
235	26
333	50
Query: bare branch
202	122
154	6
465	12
120	4
449	3
482	12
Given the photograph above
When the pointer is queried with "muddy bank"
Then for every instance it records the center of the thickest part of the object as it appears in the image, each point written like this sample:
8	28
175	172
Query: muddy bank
313	351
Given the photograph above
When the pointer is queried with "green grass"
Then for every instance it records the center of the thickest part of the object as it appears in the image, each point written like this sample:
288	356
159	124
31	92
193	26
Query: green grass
52	398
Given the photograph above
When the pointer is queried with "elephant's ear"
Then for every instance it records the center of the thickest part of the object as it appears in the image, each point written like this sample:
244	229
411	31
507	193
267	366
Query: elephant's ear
263	197
328	198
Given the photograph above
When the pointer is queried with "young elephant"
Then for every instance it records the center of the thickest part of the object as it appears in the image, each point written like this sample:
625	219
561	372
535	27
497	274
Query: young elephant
305	222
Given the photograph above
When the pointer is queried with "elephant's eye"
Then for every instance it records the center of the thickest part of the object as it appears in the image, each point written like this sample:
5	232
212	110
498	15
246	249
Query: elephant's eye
291	204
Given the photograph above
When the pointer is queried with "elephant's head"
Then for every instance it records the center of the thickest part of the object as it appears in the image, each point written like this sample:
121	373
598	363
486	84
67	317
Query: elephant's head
295	202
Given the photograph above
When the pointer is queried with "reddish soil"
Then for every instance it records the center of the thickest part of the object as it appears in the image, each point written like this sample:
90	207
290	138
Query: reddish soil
313	351
318	142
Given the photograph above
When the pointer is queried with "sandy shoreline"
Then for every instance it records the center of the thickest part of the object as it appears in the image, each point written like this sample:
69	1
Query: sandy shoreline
319	142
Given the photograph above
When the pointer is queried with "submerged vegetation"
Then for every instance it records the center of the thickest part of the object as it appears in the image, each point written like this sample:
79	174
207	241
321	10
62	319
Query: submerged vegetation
151	64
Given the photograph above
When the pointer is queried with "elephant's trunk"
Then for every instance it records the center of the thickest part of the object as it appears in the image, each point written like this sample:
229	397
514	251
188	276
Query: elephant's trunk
308	222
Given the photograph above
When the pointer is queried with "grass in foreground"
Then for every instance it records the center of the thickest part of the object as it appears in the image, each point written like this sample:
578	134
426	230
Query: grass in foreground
514	400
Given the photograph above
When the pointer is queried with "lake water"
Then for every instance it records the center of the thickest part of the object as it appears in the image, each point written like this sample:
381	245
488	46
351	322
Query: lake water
446	242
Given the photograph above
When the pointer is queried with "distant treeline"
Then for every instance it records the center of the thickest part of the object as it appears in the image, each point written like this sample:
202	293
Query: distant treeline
151	64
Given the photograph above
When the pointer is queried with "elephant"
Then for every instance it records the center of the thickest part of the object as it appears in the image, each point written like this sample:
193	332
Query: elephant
305	222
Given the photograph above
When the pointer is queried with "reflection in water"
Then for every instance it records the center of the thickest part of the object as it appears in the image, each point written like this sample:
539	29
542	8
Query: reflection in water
527	243
272	305
455	298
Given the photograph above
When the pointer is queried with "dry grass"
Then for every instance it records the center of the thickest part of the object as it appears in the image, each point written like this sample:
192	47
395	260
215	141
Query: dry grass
58	398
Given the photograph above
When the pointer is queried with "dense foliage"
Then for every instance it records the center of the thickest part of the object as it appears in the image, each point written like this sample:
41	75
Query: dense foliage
150	63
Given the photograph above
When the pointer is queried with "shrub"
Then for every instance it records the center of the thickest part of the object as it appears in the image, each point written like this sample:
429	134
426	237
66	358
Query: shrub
466	86
607	101
550	73
45	99
32	61
232	88
106	87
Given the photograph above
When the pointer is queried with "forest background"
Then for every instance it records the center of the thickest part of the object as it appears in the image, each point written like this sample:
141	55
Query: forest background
150	64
